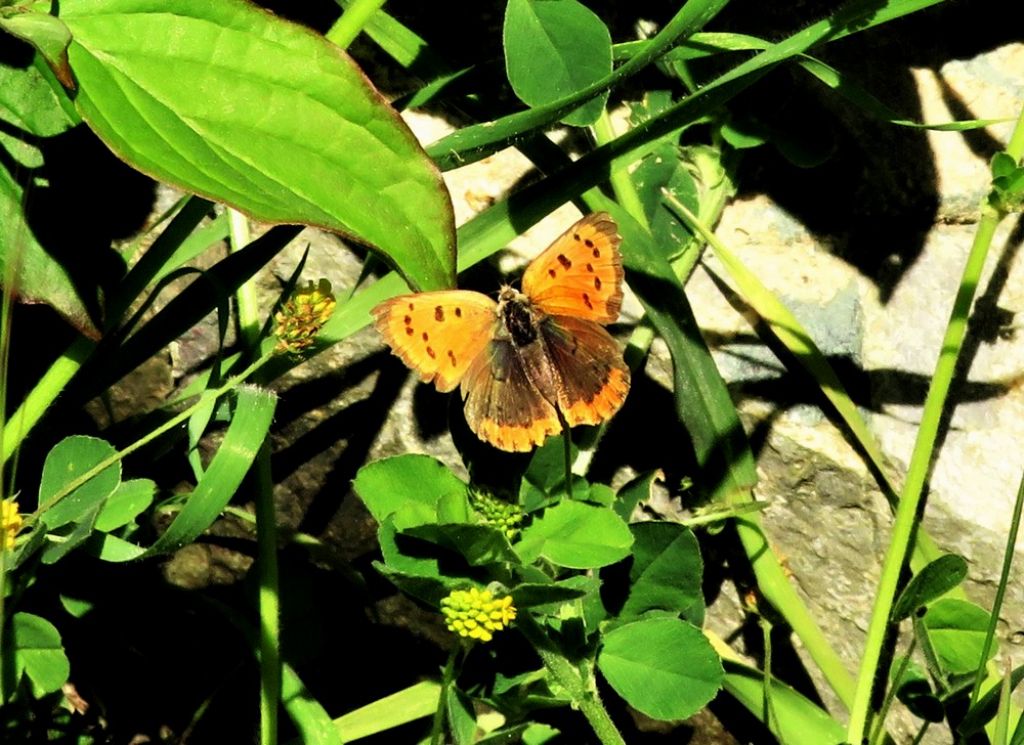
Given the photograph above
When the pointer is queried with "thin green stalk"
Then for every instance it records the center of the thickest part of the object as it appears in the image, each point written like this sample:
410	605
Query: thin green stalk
352	21
1001	731
920	733
269	598
890	695
584	697
3	596
921	459
245	297
167	426
249	326
437	729
767	708
643	335
622	185
772	580
566	451
1004	579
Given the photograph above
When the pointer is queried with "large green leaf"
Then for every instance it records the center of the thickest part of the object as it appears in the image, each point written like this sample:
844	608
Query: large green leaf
125	504
933	581
553	49
664	667
956	630
236	104
666	571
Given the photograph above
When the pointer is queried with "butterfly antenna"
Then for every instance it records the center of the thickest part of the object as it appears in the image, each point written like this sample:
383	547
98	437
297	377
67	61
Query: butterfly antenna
567	449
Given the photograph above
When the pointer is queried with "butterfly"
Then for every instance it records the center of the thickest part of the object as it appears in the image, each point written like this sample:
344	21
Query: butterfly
523	359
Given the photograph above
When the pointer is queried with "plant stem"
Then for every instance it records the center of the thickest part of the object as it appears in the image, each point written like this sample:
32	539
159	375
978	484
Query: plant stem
1004	578
170	424
622	185
583	694
352	21
437	730
245	297
890	695
920	462
269	600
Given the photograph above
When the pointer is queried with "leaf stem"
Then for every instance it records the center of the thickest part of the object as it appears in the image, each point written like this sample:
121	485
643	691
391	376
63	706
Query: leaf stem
35	404
170	424
447	678
1004	579
622	185
584	694
352	21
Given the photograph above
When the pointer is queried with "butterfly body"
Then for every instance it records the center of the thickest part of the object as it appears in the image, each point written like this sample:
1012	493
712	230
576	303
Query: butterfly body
531	355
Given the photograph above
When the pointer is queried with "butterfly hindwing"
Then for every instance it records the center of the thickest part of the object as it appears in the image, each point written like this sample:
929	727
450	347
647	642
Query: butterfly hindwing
580	274
594	377
438	334
502	406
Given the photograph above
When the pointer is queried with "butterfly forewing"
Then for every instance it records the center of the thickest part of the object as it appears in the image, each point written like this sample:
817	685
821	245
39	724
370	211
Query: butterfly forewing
594	377
580	274
438	334
502	406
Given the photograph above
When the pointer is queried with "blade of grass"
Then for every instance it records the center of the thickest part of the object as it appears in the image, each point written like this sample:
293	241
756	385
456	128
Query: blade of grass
703	404
796	720
480	140
791	333
412	703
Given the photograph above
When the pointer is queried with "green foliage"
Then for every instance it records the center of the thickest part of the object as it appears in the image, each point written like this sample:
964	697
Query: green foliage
35	651
237	106
554	49
649	661
663	667
931	583
956	630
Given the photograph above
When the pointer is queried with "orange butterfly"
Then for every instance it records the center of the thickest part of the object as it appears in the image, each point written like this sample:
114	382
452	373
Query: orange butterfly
520	358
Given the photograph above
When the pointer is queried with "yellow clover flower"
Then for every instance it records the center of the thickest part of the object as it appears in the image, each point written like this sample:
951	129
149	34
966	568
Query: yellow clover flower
302	315
497	513
477	614
10	523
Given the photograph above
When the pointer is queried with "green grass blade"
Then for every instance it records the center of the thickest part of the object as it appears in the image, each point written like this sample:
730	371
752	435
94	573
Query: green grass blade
791	333
480	140
412	703
705	407
1004	579
249	426
310	718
